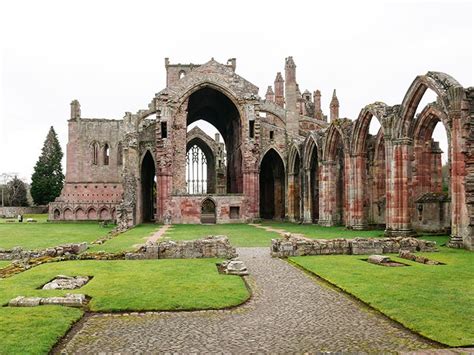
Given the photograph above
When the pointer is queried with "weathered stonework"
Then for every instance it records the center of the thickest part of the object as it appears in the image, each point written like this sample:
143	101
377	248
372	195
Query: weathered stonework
19	253
210	247
297	245
283	159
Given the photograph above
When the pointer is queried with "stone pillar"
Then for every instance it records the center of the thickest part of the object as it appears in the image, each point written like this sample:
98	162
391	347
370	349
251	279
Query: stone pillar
270	95
327	198
357	192
252	192
318	113
292	124
436	168
461	218
279	90
307	203
401	181
334	107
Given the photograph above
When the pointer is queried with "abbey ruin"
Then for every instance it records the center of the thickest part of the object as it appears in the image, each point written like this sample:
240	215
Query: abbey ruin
278	157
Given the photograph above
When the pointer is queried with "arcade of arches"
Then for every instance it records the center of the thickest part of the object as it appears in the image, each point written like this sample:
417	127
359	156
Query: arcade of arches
278	157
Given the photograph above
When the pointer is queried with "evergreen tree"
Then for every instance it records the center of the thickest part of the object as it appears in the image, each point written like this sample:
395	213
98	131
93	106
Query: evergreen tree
48	179
16	192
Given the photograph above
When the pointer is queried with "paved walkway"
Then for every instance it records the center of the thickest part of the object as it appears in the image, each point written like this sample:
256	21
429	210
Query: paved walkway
269	228
159	233
289	313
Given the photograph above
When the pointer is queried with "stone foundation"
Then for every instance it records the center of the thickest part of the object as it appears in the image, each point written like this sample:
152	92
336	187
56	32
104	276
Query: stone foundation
209	247
298	245
19	253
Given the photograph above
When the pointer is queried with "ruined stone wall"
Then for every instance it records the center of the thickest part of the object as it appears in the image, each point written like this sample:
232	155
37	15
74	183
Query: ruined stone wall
187	208
93	186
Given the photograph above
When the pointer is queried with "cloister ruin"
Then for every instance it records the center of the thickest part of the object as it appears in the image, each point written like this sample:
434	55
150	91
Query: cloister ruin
278	157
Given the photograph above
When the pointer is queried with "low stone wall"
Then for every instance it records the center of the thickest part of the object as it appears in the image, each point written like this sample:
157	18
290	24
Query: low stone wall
13	212
209	247
19	253
298	245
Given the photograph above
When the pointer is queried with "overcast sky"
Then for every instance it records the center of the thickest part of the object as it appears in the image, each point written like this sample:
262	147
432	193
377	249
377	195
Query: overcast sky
110	55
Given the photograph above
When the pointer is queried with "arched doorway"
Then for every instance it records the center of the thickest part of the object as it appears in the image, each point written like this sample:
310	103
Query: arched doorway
272	186
148	188
208	211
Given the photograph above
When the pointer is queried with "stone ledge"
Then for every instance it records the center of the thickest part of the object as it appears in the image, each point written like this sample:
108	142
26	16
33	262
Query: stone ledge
299	245
71	300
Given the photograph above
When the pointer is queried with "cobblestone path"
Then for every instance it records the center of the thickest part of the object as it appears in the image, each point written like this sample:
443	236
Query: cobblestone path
289	312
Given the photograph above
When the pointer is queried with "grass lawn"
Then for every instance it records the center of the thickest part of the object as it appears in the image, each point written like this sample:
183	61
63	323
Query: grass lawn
40	218
319	232
43	235
435	301
127	241
240	235
117	285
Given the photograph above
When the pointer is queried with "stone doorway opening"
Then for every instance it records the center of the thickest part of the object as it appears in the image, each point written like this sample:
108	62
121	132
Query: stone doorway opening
148	188
272	186
208	211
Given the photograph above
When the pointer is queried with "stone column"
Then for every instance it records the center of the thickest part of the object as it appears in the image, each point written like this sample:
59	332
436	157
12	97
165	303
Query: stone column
461	224
291	197
307	203
327	198
357	192
402	195
252	193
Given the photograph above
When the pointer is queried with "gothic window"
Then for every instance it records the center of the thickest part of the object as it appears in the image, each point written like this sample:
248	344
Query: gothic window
196	171
182	74
95	153
106	154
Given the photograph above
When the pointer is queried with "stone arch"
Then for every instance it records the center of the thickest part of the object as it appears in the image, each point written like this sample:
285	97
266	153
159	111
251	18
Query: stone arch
147	188
272	185
210	149
56	214
104	214
379	110
219	107
94	148
208	211
294	184
68	215
439	82
80	214
106	154
311	162
92	213
335	164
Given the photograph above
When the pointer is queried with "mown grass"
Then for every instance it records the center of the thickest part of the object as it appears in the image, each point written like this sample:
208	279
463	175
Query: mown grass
40	218
116	286
127	241
44	235
435	301
240	235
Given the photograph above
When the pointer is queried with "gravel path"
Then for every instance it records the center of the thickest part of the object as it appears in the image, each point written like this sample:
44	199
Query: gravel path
289	313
